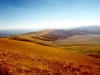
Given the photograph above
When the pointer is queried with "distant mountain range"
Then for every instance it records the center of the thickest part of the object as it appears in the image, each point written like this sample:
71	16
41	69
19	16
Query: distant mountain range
53	35
60	33
64	37
91	28
70	39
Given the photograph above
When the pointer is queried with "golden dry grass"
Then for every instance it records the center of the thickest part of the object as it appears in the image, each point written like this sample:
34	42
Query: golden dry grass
33	39
26	58
89	39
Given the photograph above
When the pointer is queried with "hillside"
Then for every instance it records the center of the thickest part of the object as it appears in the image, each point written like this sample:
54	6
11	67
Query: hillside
26	58
54	35
66	39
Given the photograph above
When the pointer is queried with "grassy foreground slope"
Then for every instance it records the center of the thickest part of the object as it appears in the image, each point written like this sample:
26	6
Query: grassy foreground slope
26	58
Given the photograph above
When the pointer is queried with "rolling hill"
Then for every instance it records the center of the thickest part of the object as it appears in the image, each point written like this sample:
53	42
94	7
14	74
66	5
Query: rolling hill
60	34
67	39
28	58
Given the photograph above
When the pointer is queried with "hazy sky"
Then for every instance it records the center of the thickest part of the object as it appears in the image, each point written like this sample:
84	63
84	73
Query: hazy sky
47	14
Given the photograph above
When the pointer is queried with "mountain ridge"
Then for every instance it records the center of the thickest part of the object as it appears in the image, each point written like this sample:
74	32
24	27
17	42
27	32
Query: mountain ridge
64	38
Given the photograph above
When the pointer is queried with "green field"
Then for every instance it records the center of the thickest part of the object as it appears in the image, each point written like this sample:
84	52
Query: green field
91	50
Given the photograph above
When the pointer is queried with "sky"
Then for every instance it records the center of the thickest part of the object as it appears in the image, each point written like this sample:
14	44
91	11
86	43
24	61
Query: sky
48	14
